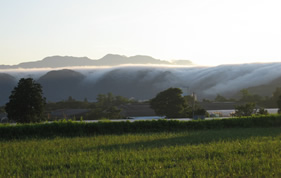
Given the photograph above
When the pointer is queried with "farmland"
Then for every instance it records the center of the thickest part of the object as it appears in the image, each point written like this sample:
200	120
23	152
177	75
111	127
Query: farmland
223	152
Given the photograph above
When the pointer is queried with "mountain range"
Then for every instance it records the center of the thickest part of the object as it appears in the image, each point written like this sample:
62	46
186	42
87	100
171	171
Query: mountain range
144	82
108	60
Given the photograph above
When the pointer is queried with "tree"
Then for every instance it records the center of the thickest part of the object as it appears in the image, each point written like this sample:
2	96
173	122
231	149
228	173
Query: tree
26	102
169	103
245	110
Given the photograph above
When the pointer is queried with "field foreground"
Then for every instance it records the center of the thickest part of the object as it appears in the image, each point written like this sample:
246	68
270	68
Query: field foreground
249	152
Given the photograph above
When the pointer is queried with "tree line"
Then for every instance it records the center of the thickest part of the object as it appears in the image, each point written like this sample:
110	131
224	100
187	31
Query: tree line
27	104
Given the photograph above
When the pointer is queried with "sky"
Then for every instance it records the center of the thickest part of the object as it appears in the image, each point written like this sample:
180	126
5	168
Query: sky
207	32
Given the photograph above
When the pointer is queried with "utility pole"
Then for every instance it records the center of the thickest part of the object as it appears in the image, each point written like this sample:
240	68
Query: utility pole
193	103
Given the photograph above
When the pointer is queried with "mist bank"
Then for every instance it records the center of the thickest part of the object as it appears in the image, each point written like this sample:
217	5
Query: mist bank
144	82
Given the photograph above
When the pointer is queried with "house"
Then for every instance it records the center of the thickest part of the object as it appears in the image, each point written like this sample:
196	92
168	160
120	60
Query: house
137	110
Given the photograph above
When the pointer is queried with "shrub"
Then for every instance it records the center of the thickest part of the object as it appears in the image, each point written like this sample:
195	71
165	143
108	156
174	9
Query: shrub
72	128
245	110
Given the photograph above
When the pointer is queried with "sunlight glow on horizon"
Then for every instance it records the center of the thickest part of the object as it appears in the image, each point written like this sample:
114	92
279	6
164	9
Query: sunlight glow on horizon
202	31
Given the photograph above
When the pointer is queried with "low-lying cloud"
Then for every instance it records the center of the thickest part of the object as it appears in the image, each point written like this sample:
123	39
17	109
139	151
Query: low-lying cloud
146	81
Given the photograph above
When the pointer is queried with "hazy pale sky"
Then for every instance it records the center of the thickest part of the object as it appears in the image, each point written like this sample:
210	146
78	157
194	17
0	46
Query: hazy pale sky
207	32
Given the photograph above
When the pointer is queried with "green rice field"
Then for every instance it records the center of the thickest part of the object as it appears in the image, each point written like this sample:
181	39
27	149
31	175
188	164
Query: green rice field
232	152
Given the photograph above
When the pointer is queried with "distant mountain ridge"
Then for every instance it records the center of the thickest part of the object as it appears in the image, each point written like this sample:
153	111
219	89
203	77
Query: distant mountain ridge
144	82
108	60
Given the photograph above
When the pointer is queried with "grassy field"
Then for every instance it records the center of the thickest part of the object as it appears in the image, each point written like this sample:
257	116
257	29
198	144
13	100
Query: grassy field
246	152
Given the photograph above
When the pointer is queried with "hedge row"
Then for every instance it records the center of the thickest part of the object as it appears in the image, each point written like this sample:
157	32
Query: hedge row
71	129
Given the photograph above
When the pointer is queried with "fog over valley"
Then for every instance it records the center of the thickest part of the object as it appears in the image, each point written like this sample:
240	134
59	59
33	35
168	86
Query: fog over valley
145	81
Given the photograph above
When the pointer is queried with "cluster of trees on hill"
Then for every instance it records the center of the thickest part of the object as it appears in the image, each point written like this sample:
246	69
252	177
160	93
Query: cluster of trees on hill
246	96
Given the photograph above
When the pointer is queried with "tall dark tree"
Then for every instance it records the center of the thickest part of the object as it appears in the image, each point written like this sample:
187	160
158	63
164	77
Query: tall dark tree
26	102
169	103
